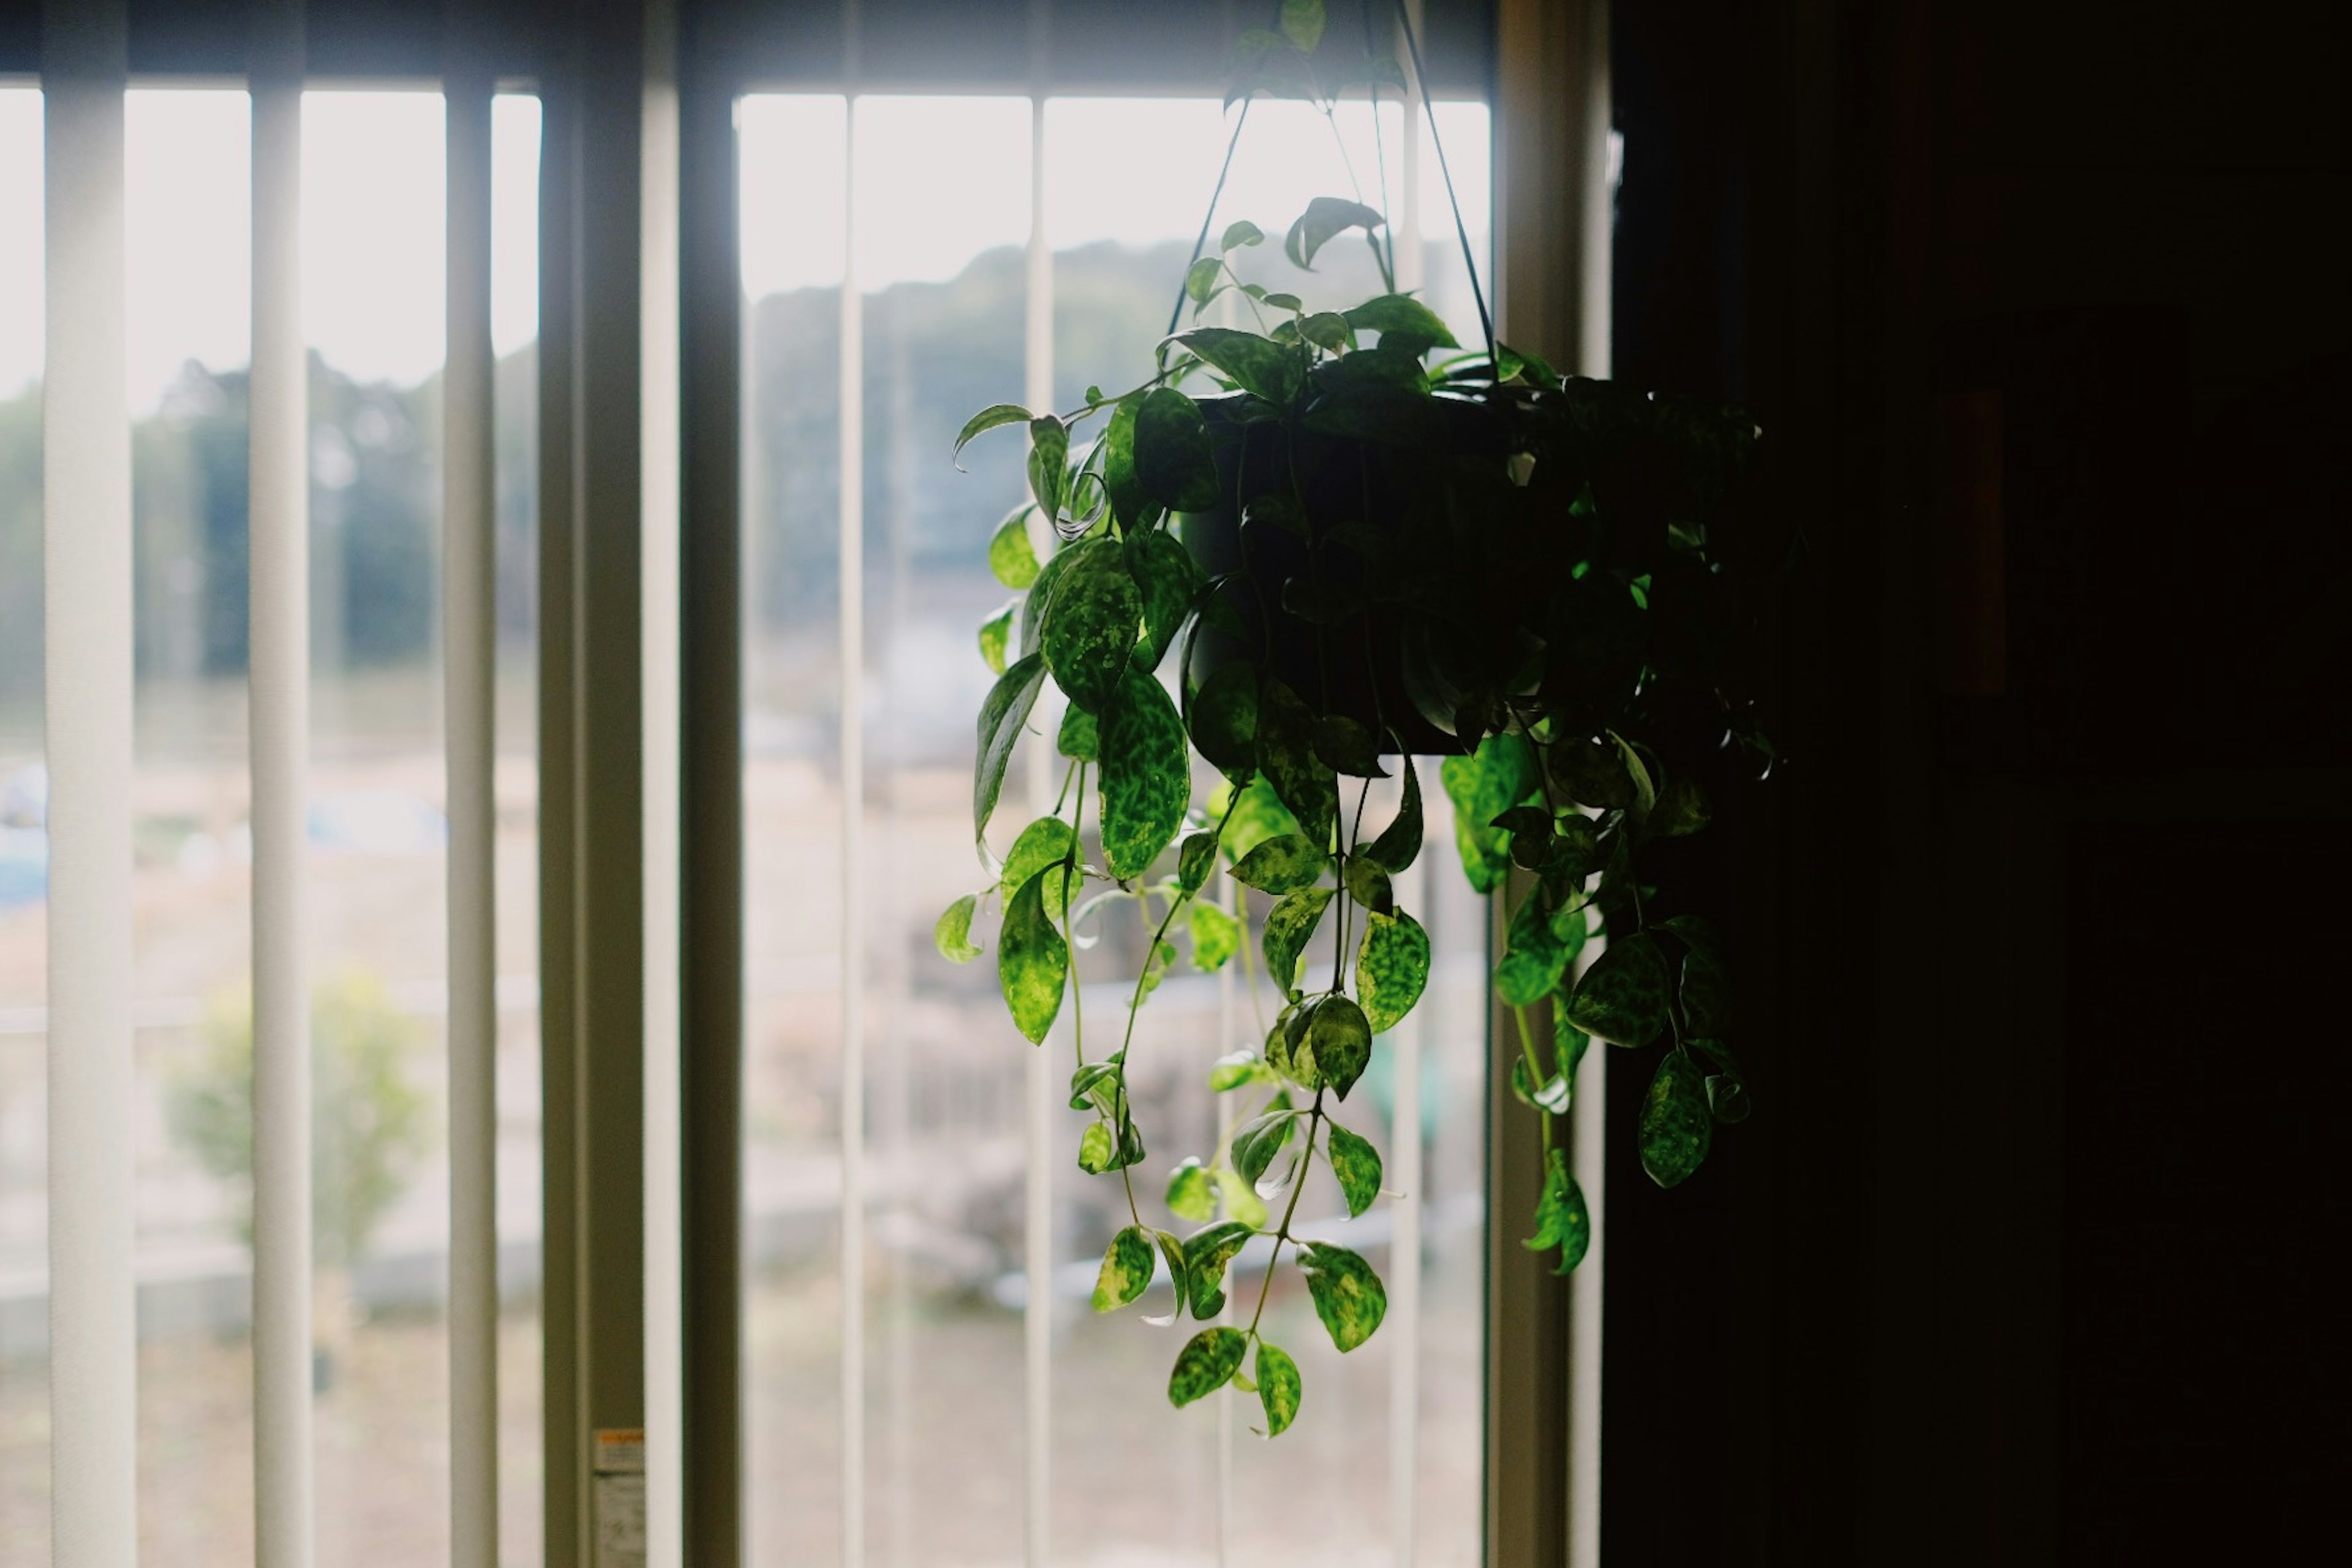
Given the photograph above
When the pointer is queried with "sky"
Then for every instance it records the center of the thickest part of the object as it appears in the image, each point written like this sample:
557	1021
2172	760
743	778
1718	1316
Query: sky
1137	171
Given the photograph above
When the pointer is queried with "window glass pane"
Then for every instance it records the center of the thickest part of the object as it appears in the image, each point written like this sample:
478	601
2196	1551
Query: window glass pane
23	856
371	246
941	194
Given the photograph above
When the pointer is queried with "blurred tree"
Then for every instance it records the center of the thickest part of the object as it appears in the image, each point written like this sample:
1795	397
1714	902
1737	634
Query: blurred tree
368	1126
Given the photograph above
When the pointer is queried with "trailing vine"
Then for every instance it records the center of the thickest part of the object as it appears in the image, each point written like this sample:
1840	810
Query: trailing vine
1343	547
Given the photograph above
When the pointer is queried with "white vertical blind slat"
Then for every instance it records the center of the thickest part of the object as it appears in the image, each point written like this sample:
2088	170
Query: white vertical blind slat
86	563
1038	1311
469	577
852	544
278	671
659	318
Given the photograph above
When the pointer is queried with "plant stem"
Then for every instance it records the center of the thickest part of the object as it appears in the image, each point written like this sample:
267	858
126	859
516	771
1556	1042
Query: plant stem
1070	862
1305	1160
1176	316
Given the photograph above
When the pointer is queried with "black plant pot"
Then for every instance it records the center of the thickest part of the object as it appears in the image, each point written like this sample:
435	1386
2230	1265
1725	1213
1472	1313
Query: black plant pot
1342	631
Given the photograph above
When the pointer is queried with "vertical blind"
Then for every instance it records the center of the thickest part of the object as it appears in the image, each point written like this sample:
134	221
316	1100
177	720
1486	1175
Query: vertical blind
88	655
87	588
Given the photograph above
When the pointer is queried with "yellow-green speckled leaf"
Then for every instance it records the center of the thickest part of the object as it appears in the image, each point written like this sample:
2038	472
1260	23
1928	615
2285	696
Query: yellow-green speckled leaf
1277	1388
1357	1165
1145	776
1127	1268
1348	1296
1033	962
1391	968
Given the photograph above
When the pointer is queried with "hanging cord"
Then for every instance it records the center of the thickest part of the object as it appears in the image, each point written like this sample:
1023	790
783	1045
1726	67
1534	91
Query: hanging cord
1461	229
1379	151
1176	316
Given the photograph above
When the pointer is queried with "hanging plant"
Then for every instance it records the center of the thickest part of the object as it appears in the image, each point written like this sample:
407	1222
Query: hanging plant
1304	553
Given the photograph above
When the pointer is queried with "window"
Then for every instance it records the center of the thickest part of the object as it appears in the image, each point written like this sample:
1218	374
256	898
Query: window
938	191
910	252
373	247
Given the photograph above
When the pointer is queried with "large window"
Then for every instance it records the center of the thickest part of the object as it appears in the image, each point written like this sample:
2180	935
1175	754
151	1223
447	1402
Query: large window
372	221
938	193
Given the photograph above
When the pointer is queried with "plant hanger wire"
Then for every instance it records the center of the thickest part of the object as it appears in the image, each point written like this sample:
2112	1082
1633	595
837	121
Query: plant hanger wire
1444	169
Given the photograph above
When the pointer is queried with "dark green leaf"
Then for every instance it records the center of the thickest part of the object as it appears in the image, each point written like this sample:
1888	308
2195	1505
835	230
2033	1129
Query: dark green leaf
1302	23
1080	739
994	633
1146	780
1222	718
985	420
1623	998
1357	1165
953	934
1676	1125
1201	279
1240	233
1551	1096
1591	774
1705	991
1534	958
1041	596
1348	1296
1098	1085
1171	1250
1190	1193
1091	626
1172	460
1128	502
1001	716
1282	301
1682	810
1325	216
1206	1364
1258	1140
1341	1039
1196	859
1049	463
1287	928
1404	323
1561	1219
1206	1253
1283	864
1216	936
1286	751
1033	962
1346	746
1392	969
1254	364
1127	1268
1726	1089
1166	576
1327	330
1367	884
1399	844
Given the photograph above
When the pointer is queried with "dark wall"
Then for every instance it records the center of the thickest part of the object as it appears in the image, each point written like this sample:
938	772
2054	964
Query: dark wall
2042	305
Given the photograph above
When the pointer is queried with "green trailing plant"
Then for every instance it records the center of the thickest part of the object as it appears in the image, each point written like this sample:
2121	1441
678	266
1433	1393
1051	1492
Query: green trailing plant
1297	554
